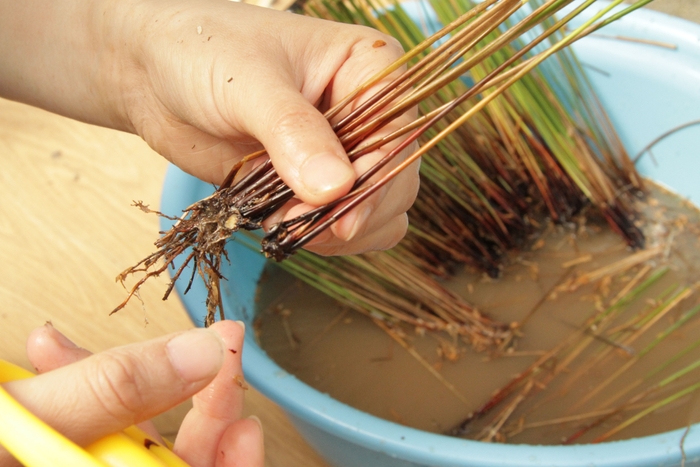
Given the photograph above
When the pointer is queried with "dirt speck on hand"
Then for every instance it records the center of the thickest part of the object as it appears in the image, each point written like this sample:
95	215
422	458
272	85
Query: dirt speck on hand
241	382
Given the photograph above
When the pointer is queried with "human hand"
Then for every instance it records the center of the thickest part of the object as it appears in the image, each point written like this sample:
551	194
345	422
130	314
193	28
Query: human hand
206	82
86	397
221	78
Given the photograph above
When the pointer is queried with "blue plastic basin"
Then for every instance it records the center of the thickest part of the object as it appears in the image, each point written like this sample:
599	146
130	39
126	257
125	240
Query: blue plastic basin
647	90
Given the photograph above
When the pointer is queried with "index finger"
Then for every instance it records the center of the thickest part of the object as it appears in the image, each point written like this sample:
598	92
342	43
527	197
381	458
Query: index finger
218	405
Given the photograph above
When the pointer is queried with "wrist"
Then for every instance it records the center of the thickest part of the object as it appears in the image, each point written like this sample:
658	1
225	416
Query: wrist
116	73
60	56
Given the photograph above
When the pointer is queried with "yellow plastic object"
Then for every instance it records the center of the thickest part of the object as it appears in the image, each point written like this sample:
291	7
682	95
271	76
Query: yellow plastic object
10	372
119	450
158	450
35	444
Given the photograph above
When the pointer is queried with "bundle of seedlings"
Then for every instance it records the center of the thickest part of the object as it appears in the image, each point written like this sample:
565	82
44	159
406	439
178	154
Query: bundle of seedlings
508	147
542	151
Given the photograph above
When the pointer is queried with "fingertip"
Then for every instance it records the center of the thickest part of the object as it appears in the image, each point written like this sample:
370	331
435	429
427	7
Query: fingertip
40	337
39	344
48	349
399	230
223	396
353	224
58	337
230	331
243	443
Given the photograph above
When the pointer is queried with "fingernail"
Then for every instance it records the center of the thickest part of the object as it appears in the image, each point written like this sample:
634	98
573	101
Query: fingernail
325	172
196	354
60	339
275	218
241	324
360	221
257	420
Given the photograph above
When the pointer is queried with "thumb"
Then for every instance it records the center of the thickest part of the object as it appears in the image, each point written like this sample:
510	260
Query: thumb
110	391
302	145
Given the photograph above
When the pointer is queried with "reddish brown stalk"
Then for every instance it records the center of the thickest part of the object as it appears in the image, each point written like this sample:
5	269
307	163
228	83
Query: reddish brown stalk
456	47
291	241
421	92
410	55
436	82
504	392
228	181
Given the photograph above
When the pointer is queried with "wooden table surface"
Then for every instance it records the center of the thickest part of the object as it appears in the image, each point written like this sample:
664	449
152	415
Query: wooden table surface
67	229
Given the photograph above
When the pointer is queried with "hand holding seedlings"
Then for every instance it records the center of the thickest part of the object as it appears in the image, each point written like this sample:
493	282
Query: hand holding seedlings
206	83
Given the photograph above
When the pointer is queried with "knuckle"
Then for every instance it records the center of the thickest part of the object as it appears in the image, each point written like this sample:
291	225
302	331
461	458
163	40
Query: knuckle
287	121
117	386
413	188
402	191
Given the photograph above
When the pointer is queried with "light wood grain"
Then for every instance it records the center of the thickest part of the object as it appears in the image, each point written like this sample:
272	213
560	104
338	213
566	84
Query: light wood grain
686	9
67	229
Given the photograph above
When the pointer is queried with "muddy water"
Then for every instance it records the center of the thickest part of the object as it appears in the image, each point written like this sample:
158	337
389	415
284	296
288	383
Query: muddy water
544	288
